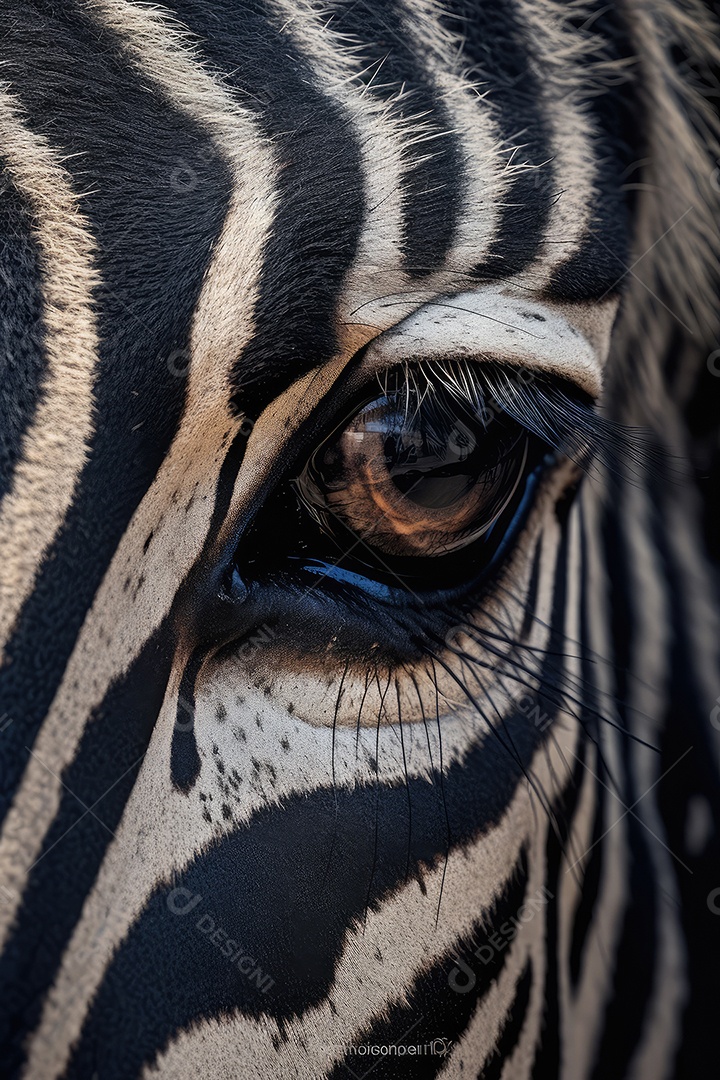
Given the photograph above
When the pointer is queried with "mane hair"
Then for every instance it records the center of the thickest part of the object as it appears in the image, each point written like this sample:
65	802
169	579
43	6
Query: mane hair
669	319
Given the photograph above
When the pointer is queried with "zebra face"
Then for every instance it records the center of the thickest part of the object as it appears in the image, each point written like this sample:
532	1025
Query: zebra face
315	320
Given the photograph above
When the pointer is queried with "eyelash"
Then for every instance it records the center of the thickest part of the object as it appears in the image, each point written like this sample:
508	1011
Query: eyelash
559	418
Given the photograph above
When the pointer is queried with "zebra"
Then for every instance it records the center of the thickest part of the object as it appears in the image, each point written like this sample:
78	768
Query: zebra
359	679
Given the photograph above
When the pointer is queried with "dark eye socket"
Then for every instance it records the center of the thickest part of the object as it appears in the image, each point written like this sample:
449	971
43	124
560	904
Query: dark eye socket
417	472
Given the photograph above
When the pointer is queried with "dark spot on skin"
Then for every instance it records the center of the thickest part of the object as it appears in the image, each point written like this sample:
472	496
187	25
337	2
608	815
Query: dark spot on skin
255	764
333	1010
271	769
126	586
291	708
148	540
206	815
372	763
220	766
203	796
138	587
240	734
226	811
221	714
258	721
189	503
240	700
215	748
267	691
285	744
532	315
185	761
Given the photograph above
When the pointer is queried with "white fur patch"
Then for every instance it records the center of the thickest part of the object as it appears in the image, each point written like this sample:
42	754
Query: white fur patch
54	446
494	323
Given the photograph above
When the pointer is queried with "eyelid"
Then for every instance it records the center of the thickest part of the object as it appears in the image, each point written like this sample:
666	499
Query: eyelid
570	341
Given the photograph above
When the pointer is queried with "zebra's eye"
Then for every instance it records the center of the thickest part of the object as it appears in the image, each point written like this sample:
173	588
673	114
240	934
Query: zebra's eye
418	471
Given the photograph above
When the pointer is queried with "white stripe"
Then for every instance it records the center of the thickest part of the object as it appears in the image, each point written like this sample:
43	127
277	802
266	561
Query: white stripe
53	449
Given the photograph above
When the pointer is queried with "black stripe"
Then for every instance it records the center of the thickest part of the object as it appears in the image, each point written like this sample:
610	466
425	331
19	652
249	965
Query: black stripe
499	59
547	1057
319	189
433	1008
634	963
271	886
585	910
114	741
635	952
155	241
547	1060
184	757
582	919
685	724
22	329
530	601
432	182
600	265
512	1028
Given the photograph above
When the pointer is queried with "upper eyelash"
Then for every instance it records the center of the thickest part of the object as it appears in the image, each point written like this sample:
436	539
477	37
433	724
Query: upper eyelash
552	411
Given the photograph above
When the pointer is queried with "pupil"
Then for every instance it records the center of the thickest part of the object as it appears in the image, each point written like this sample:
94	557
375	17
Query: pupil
434	491
434	478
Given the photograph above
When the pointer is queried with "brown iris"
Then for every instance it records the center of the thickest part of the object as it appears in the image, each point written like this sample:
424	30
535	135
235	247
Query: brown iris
416	472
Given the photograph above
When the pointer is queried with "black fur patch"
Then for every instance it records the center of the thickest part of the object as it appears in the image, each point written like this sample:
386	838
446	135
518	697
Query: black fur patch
22	353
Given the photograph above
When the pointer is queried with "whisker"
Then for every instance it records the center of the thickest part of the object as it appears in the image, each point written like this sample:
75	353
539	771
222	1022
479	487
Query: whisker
407	781
442	790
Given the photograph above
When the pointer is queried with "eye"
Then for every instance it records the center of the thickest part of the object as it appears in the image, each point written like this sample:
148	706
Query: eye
425	469
423	480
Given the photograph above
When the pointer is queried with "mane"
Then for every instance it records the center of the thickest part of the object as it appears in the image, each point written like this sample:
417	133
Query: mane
669	320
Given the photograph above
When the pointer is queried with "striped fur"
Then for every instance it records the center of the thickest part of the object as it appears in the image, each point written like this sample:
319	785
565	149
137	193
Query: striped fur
258	816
